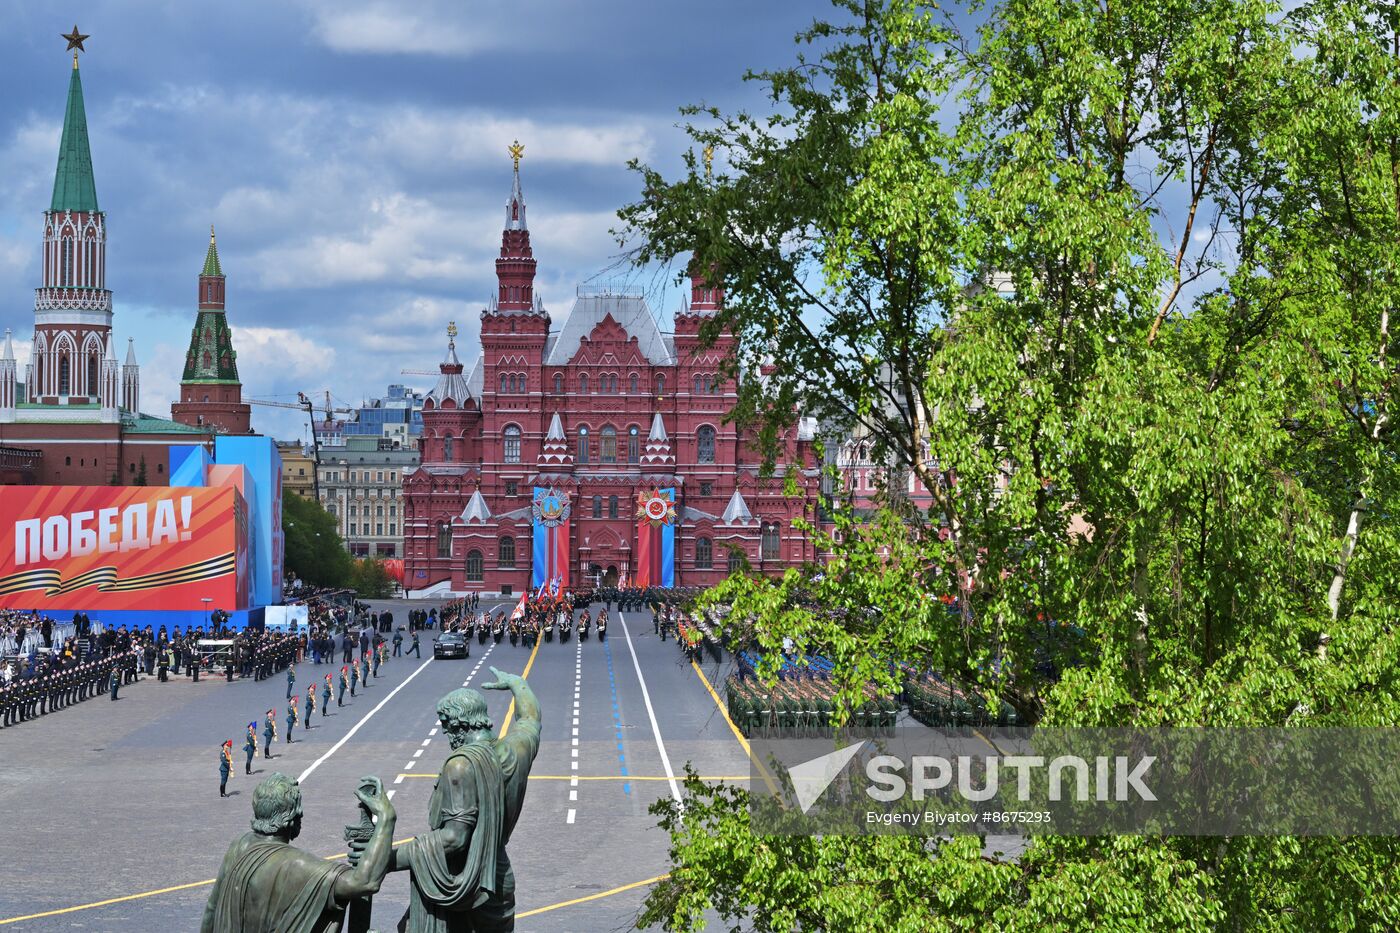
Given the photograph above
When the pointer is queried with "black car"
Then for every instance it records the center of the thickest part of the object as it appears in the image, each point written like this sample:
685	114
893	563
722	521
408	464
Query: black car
451	645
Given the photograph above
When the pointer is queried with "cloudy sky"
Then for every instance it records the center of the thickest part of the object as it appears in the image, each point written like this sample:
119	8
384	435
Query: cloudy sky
352	155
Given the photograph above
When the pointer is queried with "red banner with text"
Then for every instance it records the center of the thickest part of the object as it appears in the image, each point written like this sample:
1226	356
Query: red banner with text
123	547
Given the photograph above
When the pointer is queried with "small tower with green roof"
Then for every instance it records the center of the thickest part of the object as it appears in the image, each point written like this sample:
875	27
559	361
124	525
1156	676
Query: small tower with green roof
211	395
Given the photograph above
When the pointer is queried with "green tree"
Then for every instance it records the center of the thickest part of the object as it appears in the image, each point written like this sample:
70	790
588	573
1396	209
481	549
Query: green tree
370	579
313	548
141	472
1113	281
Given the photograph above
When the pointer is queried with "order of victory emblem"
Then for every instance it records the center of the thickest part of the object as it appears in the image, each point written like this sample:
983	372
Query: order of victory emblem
551	508
656	507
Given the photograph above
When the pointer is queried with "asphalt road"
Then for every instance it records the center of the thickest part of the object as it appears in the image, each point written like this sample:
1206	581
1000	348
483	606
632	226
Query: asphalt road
108	802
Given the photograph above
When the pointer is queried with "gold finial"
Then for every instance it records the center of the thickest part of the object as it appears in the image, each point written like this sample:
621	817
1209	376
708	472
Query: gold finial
211	233
517	152
709	160
451	329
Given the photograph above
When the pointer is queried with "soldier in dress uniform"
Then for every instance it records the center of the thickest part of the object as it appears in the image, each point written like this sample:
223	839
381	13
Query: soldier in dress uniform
309	708
354	677
269	732
225	765
326	695
291	680
344	682
250	747
291	718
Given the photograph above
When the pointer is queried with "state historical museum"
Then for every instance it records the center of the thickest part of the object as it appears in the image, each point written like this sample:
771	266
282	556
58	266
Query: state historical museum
592	454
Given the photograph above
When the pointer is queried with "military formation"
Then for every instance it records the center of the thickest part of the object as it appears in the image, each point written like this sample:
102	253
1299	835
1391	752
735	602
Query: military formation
54	685
272	652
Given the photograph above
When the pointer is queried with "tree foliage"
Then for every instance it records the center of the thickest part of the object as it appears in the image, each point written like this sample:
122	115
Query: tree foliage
370	579
1115	283
313	548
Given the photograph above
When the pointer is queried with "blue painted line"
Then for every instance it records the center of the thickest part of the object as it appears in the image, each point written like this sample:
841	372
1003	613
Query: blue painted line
617	719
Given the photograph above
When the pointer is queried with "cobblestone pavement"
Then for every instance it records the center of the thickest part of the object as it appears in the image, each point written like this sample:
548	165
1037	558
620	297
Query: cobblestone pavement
109	801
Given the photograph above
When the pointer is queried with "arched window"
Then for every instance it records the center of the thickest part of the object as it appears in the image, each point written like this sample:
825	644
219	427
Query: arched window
699	384
597	506
558	383
704	554
505	381
512	444
447	447
63	375
705	443
505	553
634	444
736	561
582	445
770	542
444	540
608	445
474	567
583	383
67	262
92	374
632	383
660	384
612	506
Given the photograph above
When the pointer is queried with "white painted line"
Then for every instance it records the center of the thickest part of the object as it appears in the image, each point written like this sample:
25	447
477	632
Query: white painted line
651	713
409	766
575	730
573	795
390	795
576	704
570	818
573	765
574	751
432	731
426	742
418	754
399	779
573	781
574	740
356	728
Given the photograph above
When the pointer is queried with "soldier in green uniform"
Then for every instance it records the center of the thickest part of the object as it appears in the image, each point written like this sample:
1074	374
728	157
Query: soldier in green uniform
326	695
309	708
225	765
344	682
291	718
291	680
113	682
250	747
416	648
269	732
354	678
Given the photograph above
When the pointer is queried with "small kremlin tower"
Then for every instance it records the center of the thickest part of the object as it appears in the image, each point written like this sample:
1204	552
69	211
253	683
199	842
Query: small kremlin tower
211	395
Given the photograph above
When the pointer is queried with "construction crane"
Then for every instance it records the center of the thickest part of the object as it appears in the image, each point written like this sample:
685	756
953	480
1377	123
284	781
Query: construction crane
420	372
304	403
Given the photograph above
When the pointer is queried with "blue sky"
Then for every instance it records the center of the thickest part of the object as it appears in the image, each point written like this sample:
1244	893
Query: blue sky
352	155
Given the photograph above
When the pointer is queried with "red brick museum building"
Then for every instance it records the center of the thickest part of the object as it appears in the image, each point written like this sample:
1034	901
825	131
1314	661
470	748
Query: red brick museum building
600	409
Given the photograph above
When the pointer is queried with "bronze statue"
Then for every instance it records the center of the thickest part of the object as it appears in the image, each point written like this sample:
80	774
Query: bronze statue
461	878
266	885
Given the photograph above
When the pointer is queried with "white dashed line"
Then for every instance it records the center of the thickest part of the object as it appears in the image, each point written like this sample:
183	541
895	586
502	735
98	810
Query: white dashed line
390	795
301	779
571	816
399	779
432	731
427	741
651	713
418	754
409	766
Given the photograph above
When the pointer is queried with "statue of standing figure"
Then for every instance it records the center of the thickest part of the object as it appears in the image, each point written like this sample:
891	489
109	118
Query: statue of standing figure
267	885
461	877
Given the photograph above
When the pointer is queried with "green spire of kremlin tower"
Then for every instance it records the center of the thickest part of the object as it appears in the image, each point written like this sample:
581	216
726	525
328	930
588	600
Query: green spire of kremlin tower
73	186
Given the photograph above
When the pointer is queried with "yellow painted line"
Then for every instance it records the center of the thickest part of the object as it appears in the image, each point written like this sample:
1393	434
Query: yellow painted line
603	777
762	768
591	897
144	894
510	713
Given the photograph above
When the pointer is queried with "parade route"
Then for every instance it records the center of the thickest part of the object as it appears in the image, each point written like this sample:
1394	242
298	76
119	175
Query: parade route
113	818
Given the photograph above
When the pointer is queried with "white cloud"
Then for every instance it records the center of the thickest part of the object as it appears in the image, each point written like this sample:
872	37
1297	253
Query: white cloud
430	138
431	28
